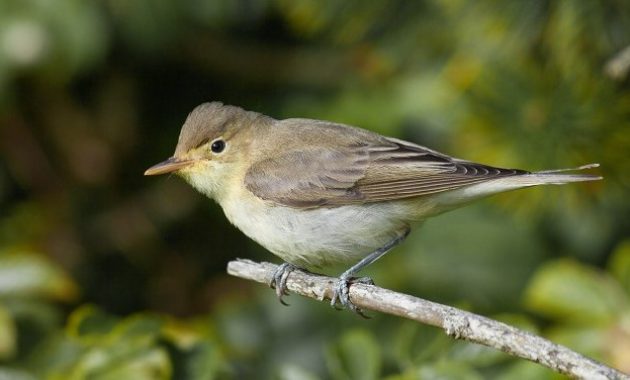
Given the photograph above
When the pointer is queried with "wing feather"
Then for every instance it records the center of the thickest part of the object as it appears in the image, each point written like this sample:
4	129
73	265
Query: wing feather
379	169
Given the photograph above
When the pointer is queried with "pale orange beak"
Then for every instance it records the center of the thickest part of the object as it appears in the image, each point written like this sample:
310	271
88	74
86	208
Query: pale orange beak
171	165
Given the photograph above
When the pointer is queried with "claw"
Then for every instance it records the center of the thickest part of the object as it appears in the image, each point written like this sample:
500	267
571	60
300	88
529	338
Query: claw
341	288
279	280
341	293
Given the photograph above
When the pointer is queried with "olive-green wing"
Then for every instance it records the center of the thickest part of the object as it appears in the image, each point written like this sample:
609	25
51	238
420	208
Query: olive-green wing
385	170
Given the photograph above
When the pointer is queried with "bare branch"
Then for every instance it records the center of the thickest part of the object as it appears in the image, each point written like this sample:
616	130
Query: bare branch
456	323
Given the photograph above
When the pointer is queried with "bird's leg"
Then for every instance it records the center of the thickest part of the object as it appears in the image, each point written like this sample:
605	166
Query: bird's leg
342	287
279	280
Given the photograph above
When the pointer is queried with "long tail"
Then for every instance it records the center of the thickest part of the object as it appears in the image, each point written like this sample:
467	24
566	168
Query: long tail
518	181
456	198
555	177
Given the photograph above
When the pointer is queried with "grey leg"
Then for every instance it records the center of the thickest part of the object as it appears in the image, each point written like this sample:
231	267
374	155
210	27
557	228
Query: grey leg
342	287
279	280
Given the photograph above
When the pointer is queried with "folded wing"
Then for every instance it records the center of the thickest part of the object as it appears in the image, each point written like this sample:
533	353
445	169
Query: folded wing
375	171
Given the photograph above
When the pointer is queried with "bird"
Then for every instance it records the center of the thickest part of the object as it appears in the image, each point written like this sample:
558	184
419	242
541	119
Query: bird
318	193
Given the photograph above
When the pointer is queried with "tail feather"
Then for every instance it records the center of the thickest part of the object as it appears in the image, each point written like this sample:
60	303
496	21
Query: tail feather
456	198
546	177
553	177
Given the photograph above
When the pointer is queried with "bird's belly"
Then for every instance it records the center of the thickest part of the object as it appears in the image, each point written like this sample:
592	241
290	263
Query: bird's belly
317	238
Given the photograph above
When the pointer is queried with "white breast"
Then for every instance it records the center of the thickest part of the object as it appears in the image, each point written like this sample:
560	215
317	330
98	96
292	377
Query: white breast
316	238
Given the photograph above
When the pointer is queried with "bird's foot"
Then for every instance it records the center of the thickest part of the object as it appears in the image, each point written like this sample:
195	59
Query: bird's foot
279	280
341	293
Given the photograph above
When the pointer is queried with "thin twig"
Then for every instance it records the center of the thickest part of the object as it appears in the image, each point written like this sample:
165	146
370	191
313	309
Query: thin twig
456	323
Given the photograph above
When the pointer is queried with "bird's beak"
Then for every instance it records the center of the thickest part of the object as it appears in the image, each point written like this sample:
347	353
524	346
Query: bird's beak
171	165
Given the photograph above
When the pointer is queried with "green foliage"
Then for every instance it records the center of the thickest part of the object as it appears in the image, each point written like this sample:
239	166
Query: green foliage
42	37
29	286
96	345
106	274
355	356
589	307
567	290
28	275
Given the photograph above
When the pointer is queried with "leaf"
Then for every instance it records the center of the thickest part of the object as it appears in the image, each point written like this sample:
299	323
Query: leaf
137	358
111	348
138	326
570	291
152	364
355	356
26	274
186	334
88	323
201	362
54	354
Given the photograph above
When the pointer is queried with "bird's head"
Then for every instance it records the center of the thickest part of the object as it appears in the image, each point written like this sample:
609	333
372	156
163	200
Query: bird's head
212	145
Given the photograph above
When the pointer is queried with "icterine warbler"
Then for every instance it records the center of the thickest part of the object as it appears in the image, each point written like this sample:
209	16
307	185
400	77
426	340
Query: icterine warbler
317	193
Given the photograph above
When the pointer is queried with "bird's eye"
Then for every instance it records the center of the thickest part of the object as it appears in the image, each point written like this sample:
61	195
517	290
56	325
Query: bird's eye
217	146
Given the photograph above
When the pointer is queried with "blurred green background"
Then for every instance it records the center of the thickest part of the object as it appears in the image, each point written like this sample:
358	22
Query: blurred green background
106	274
